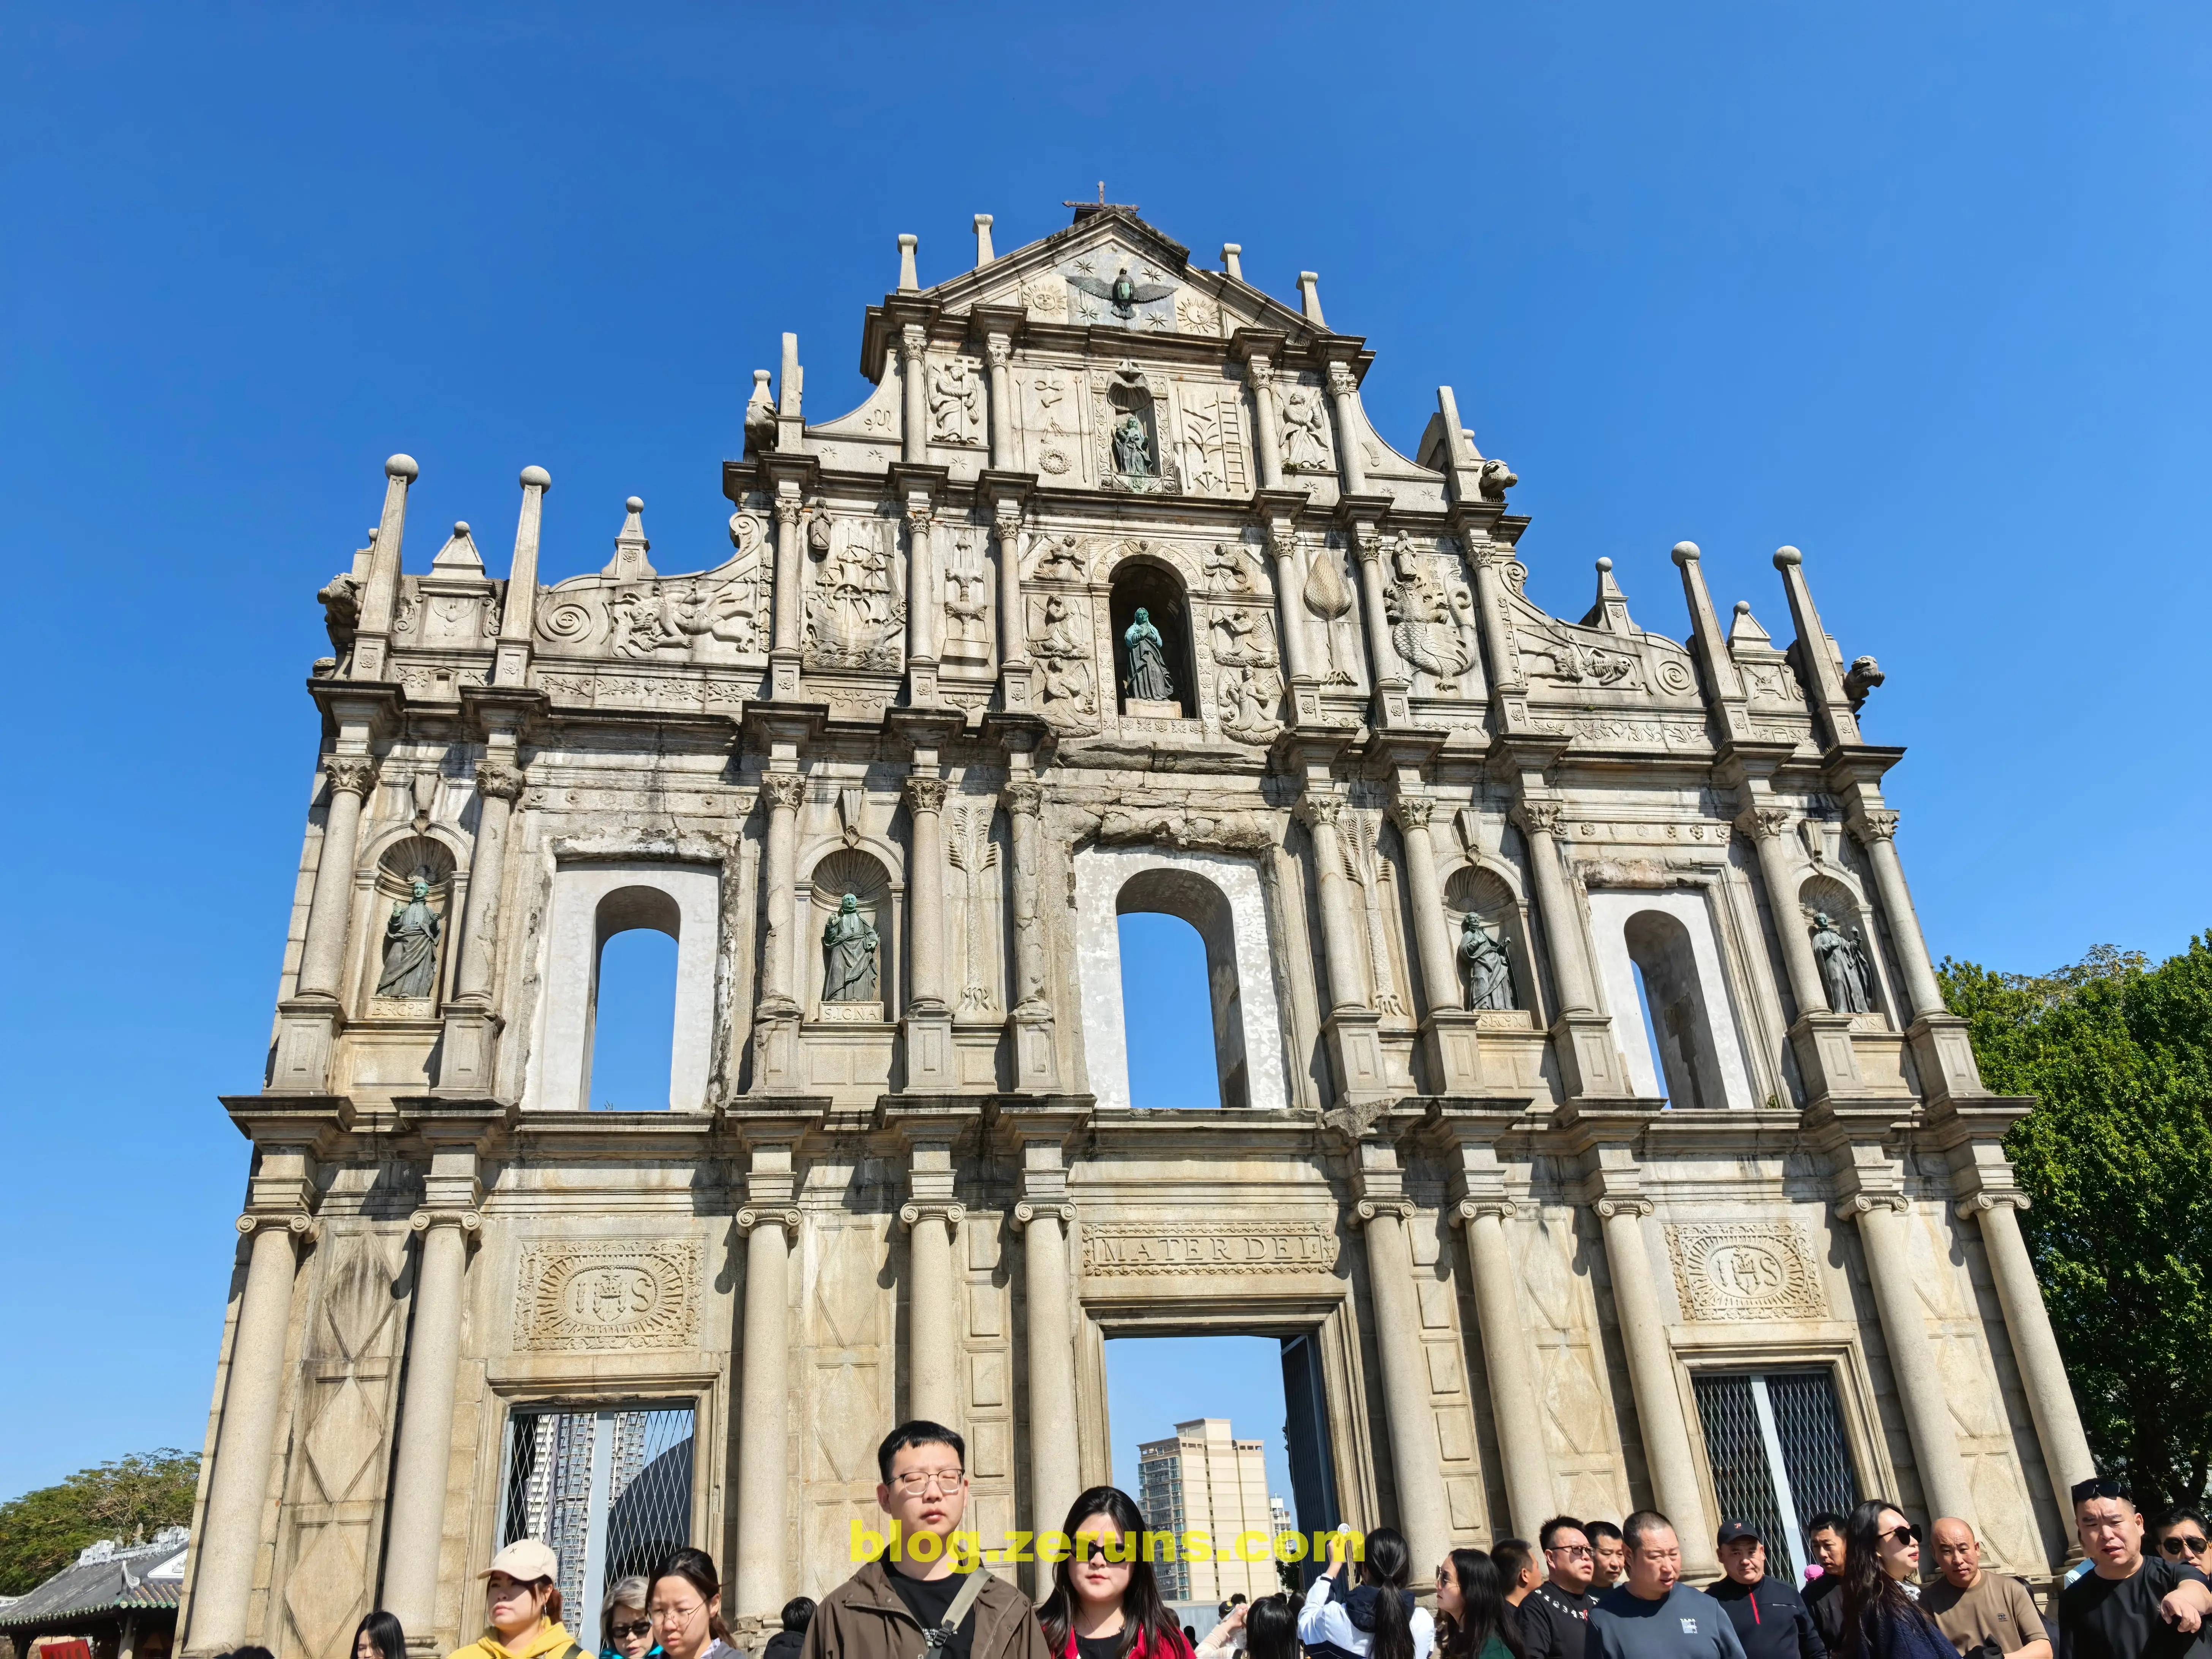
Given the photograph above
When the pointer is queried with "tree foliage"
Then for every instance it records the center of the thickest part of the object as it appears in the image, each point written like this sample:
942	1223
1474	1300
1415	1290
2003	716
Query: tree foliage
131	1498
2117	1160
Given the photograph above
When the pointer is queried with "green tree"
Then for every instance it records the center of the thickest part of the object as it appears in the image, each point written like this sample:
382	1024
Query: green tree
131	1498
2116	1159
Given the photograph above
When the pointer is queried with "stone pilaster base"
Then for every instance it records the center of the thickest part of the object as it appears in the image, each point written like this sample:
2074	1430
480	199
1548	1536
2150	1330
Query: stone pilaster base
1451	1051
464	1055
1590	1060
1036	1052
306	1030
931	1067
1944	1057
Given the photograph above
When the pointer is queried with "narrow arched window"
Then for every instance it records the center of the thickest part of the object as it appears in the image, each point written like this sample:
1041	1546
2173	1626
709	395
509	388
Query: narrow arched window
630	1045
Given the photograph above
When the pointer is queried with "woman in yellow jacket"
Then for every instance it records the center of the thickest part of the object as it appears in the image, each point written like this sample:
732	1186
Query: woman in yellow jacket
523	1606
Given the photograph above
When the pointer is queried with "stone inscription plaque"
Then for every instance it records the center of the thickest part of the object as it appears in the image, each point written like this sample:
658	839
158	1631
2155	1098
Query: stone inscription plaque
609	1294
1746	1272
1226	1247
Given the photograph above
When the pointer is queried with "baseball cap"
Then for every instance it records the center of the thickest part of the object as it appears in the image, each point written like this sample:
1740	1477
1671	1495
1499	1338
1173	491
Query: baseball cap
525	1559
1732	1530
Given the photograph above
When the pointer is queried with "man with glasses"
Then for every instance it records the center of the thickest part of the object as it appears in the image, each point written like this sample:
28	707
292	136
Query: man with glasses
1770	1618
2181	1537
921	1588
1555	1617
1991	1614
2129	1606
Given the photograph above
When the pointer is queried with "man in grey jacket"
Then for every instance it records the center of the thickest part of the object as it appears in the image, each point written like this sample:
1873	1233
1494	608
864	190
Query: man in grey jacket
1651	1613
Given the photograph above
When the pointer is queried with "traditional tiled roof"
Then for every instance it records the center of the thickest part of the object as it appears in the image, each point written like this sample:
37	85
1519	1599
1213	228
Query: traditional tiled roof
104	1579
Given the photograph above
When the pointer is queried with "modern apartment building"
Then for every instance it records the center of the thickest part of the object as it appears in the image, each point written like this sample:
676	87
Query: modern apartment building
1205	1480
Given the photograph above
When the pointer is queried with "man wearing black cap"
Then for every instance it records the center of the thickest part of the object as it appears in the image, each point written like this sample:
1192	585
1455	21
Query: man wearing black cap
1771	1618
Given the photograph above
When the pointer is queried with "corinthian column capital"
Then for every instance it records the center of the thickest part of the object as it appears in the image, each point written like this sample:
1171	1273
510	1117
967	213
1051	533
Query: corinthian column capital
350	774
497	780
926	794
785	789
1538	818
1874	823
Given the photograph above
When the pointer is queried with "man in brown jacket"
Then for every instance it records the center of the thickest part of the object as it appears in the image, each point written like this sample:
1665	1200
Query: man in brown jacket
896	1606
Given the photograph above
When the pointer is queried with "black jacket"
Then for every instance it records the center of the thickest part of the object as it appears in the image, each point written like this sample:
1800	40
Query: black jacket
1770	1620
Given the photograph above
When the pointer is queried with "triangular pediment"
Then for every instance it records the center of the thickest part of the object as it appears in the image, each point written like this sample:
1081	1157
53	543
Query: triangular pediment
1067	277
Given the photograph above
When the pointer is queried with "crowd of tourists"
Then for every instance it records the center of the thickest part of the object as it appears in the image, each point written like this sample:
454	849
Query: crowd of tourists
1582	1589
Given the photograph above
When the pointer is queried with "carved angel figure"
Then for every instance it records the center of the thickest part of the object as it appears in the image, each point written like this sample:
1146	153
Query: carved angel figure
1064	675
1305	430
1246	700
1124	295
1226	572
1845	973
410	947
1489	969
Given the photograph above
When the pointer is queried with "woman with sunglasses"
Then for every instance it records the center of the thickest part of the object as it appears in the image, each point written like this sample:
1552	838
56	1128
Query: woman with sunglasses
1881	1618
625	1627
1105	1603
1472	1619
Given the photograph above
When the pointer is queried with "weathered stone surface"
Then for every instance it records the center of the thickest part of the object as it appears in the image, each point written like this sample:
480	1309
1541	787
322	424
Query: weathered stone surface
1503	1269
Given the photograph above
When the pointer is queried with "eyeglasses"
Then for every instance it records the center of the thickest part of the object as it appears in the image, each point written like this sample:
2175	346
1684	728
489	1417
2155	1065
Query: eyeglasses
2180	1542
642	1627
1903	1535
920	1480
1582	1550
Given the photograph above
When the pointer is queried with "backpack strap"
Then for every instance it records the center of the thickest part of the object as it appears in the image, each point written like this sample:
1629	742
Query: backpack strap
939	1638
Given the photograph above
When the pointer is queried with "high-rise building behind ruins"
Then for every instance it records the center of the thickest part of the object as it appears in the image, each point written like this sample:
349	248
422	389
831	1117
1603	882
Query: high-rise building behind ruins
1592	1132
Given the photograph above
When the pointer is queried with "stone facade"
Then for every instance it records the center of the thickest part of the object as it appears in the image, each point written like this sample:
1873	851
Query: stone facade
1433	839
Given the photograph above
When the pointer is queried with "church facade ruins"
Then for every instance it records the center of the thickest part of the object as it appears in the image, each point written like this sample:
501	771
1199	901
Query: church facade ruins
1592	1134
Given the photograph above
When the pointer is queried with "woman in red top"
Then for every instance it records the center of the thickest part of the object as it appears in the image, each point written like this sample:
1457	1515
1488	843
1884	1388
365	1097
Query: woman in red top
1105	1603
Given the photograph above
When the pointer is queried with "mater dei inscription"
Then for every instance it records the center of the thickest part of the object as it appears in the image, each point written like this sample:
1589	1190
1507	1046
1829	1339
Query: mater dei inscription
1575	1049
1222	1247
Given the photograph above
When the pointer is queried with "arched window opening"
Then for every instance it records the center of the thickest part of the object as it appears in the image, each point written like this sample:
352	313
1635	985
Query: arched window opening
1141	584
1180	993
630	1040
1164	1009
1676	1021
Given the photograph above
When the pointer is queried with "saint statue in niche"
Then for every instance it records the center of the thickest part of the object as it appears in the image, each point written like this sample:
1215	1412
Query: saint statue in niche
1132	446
849	940
1846	972
410	947
1149	679
1489	969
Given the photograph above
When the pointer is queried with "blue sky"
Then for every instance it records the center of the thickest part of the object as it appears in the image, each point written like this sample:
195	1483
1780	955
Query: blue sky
1917	289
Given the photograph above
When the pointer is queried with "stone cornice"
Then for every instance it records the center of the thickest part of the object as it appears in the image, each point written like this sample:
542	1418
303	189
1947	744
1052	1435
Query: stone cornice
318	1121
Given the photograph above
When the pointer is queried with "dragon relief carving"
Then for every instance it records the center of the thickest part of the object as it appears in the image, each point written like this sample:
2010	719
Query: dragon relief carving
717	614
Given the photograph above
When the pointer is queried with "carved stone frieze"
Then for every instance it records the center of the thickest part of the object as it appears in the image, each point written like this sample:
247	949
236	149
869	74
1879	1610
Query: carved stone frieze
1114	1249
607	1294
1744	1270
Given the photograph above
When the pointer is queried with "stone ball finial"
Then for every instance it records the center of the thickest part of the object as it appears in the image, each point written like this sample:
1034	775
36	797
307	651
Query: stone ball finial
636	504
1786	556
402	466
536	478
461	527
1604	565
1743	607
1685	551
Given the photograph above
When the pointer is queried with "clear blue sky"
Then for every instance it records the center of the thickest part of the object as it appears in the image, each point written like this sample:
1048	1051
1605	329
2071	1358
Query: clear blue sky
1919	289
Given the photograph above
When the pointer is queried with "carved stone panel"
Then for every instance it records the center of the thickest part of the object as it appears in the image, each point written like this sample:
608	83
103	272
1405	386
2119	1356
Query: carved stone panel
607	1294
1223	1247
1762	1271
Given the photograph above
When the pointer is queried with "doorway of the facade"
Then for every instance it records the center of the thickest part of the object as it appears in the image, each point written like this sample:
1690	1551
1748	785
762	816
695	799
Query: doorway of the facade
609	1489
1225	1436
1775	1443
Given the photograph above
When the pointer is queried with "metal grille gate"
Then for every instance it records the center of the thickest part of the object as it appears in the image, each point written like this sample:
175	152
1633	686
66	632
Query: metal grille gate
1775	1440
609	1491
